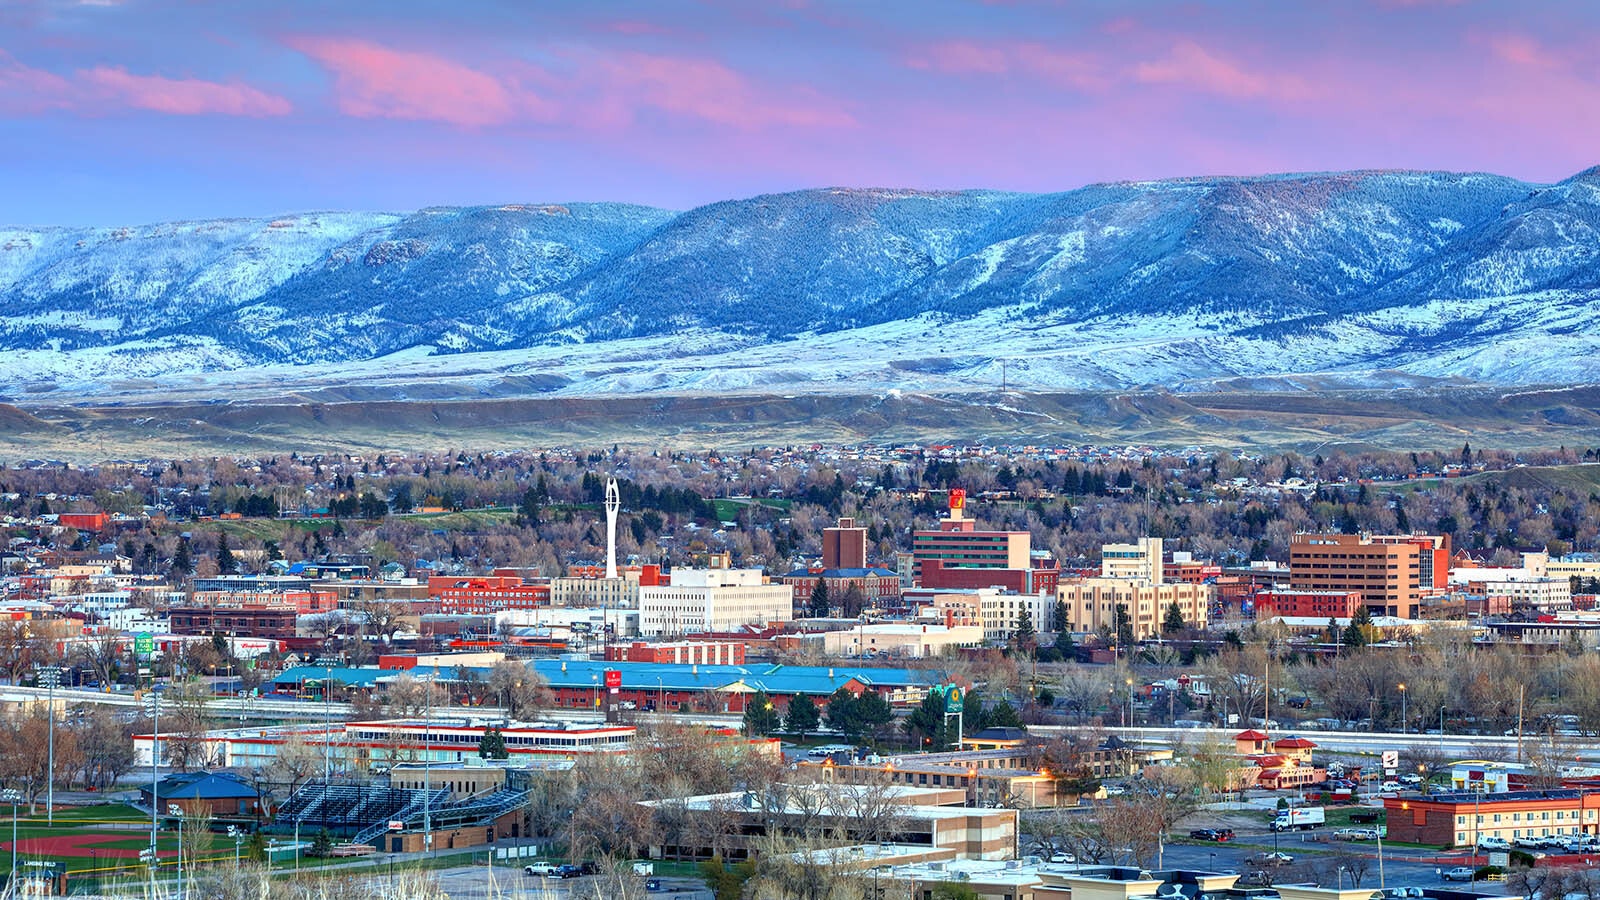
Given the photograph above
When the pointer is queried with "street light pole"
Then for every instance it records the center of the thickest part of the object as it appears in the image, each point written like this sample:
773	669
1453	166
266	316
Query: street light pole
14	796
51	676
155	778
1402	707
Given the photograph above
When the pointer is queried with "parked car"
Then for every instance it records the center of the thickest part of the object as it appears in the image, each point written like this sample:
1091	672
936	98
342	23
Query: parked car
1411	778
1270	858
543	870
1355	834
1459	873
1493	843
654	884
1063	858
1220	835
1390	786
568	871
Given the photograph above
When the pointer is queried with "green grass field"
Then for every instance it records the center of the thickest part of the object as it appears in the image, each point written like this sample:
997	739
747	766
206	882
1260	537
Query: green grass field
728	509
97	838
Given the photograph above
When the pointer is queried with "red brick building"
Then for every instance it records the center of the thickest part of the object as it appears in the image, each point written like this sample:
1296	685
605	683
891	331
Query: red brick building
95	521
275	622
457	594
1313	604
705	653
1460	818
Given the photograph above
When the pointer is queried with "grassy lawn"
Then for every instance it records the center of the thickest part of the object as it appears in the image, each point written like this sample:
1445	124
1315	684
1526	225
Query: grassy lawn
92	821
728	510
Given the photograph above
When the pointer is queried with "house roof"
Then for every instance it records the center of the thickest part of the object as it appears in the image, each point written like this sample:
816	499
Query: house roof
1292	743
1250	735
201	786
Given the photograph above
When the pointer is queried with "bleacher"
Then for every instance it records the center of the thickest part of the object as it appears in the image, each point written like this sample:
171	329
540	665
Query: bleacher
343	808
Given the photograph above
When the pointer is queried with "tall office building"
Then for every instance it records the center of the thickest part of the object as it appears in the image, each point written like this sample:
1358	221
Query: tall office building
1388	575
844	546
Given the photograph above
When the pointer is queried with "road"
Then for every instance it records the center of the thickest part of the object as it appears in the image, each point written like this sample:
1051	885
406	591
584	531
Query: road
1458	746
474	883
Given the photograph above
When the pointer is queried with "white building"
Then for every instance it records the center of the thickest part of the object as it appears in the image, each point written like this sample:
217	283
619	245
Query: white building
1001	613
593	620
902	640
712	600
1141	560
615	593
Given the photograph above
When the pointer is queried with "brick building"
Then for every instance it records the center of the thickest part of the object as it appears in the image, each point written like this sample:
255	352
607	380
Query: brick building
274	622
845	546
1307	603
458	594
1461	818
1386	574
704	653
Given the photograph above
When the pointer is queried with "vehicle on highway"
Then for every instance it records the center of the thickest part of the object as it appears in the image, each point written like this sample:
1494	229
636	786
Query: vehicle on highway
1303	818
1270	858
1459	873
543	870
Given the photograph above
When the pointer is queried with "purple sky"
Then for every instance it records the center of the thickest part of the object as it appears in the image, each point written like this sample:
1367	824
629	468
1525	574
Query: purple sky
122	111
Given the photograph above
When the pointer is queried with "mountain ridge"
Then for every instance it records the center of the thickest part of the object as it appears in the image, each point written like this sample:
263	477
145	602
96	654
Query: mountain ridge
1164	283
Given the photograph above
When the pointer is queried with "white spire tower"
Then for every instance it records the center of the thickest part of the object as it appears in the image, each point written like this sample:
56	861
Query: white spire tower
613	503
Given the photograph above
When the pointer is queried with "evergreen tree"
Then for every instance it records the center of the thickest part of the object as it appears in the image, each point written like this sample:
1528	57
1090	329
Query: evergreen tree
819	600
1025	638
1060	623
530	510
181	564
322	844
802	717
1002	715
225	561
973	716
760	716
493	744
1124	627
927	724
840	714
1355	635
1174	622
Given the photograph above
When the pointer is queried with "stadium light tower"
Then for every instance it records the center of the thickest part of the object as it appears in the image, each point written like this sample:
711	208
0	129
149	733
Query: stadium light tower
613	503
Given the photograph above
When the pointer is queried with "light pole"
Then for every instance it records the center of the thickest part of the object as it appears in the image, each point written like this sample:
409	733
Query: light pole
155	779
1402	707
1441	730
51	676
661	695
596	680
14	796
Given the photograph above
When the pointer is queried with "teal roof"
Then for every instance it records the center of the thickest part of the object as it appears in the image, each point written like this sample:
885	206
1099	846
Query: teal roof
348	676
578	673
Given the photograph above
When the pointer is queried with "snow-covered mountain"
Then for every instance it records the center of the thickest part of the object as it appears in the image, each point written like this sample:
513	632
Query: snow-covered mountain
1189	282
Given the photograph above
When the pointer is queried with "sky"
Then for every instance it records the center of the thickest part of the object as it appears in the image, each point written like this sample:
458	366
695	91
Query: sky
134	111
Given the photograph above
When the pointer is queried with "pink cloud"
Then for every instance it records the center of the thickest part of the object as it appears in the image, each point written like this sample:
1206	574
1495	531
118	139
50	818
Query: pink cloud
636	26
1192	66
104	88
1076	70
372	81
184	96
1521	50
28	90
708	90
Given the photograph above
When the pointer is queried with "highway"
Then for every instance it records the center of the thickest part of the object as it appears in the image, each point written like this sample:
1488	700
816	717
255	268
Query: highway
1466	746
